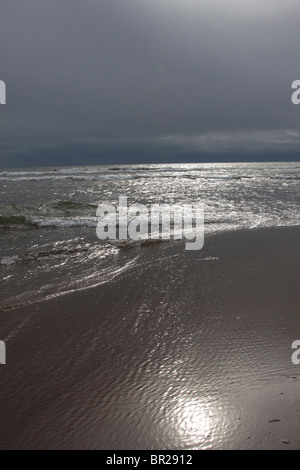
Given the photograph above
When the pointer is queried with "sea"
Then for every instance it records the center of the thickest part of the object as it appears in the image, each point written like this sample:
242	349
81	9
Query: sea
48	241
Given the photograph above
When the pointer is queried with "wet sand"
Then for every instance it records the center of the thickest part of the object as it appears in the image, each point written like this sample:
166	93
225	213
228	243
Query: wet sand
187	350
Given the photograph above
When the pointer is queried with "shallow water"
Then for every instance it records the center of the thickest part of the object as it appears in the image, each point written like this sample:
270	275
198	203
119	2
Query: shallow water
180	351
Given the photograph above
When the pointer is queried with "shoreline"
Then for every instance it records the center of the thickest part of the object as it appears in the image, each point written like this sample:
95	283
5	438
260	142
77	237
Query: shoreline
143	246
185	350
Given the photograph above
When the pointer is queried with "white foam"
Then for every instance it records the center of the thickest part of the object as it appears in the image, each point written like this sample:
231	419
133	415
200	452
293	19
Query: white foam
9	261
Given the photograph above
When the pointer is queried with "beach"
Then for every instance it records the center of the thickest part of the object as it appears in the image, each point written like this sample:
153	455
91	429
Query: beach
149	228
182	350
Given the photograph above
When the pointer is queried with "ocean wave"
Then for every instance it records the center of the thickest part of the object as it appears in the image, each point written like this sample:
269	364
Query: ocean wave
62	171
34	256
48	178
62	222
8	261
53	214
51	177
127	173
211	223
14	220
71	205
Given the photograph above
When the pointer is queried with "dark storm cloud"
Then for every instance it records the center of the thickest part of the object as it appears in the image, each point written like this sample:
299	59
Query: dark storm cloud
138	79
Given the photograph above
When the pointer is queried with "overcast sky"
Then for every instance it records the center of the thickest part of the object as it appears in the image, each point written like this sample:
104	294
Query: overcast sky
106	81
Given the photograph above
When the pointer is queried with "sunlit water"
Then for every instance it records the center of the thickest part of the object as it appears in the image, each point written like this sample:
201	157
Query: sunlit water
175	350
48	216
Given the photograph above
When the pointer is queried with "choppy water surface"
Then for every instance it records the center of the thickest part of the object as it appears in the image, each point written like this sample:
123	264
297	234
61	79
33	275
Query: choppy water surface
235	195
48	216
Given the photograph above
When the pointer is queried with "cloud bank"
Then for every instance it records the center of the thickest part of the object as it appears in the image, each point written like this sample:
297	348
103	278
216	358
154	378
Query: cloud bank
162	80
